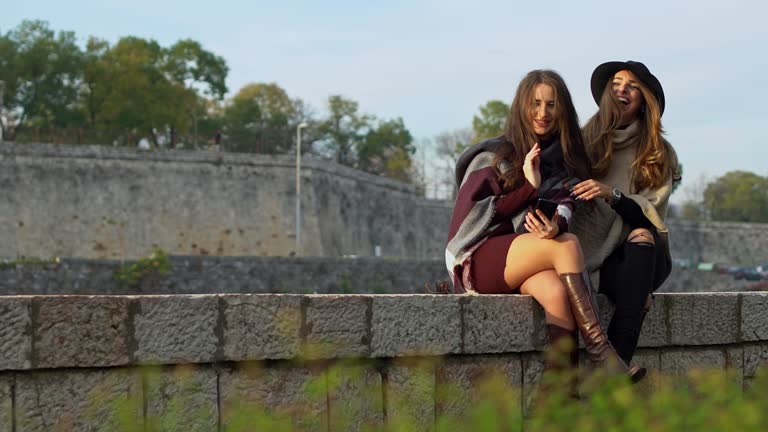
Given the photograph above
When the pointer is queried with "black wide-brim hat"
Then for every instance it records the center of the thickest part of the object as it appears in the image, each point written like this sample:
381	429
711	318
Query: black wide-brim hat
606	71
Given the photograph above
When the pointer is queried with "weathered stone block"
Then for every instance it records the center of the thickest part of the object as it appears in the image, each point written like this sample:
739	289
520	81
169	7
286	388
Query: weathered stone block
647	358
15	333
415	324
533	367
93	399
655	332
462	381
502	323
704	319
410	392
6	402
181	398
258	327
755	357
181	328
754	316
680	361
81	331
293	398
354	398
734	358
338	326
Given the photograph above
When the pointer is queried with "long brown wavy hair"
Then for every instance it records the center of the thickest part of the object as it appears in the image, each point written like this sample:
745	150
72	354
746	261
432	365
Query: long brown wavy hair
520	137
655	161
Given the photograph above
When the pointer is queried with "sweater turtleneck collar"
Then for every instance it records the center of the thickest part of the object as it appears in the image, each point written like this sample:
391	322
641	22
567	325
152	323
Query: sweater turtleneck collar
623	138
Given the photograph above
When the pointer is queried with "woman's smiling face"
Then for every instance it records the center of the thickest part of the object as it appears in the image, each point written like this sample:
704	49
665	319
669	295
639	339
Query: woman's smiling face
626	88
543	110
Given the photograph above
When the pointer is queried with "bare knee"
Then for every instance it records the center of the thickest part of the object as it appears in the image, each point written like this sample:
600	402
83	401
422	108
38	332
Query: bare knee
641	235
569	243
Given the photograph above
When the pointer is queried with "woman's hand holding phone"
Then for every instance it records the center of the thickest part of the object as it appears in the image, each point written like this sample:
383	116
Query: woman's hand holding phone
536	222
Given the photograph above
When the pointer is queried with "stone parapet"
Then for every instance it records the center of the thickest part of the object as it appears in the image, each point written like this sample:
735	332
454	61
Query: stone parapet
51	332
317	362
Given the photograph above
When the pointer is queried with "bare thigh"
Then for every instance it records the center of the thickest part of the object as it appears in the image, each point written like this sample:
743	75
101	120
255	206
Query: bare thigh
529	255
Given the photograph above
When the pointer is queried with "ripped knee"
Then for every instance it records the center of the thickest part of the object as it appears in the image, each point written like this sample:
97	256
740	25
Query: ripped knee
641	235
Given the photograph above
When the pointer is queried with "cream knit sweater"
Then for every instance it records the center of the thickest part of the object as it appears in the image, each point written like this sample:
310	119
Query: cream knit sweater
600	229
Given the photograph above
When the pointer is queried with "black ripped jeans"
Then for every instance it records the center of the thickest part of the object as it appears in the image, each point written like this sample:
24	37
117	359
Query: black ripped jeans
626	278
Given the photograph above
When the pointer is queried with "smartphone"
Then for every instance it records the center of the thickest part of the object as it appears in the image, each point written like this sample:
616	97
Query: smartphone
547	207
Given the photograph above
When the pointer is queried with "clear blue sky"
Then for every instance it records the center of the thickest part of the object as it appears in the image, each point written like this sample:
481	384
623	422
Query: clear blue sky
433	63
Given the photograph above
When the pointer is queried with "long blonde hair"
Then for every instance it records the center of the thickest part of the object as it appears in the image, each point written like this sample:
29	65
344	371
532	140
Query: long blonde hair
655	161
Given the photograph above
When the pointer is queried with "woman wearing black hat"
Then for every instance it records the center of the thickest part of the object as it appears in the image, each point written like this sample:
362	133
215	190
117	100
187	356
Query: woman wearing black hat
623	234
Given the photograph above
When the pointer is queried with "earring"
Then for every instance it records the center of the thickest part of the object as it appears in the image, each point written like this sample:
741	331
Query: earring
642	109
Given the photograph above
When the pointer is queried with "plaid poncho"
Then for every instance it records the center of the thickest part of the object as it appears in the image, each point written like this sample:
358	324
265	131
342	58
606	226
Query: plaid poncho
483	210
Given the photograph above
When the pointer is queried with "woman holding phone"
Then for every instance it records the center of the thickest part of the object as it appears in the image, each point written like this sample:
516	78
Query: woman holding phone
496	245
623	233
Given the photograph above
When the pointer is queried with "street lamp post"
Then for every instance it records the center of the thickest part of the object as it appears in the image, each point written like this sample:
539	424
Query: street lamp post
298	187
2	88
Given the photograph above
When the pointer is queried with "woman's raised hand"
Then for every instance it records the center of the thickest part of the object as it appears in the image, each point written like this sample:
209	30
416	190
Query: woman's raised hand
531	166
591	189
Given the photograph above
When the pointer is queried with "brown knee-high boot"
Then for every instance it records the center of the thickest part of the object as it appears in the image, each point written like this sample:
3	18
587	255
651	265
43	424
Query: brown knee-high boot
584	309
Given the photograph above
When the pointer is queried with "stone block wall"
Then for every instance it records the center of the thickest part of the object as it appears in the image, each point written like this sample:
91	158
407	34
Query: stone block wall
117	203
298	275
318	362
720	242
221	275
104	202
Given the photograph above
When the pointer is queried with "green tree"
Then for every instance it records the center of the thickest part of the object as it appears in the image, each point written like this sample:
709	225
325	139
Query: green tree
188	65
343	129
97	74
210	119
141	99
738	196
240	120
387	150
491	120
42	71
263	118
7	75
133	89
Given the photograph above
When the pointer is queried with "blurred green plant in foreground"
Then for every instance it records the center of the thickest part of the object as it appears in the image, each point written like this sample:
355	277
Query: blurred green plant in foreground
358	396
